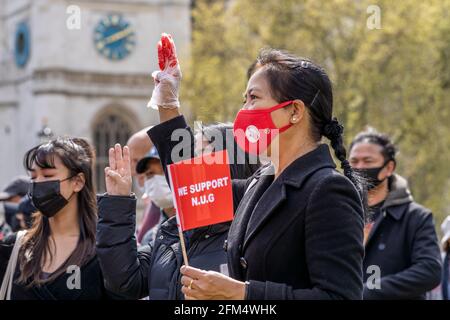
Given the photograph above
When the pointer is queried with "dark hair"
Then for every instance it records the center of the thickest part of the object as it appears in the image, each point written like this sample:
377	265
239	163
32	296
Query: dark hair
220	136
292	78
371	135
78	156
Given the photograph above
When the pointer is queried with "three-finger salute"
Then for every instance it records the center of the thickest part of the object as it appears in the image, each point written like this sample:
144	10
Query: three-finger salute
118	173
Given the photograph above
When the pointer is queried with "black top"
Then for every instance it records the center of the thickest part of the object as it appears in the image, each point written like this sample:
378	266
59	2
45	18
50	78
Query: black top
374	212
297	237
403	244
63	287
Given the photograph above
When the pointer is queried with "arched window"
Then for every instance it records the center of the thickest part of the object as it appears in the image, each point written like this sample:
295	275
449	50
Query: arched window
109	129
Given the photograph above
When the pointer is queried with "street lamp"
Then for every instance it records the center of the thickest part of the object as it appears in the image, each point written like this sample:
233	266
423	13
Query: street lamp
46	133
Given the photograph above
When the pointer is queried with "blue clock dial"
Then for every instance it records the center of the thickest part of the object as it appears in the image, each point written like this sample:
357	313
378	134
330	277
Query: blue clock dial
114	38
22	44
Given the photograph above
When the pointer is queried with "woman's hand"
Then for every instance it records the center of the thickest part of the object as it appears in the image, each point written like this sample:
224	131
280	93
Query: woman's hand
118	174
167	80
210	285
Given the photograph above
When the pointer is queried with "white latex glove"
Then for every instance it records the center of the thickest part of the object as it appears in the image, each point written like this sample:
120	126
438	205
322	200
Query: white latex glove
167	80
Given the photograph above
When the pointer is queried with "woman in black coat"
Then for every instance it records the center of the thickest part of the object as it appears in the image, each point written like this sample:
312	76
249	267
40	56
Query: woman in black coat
298	228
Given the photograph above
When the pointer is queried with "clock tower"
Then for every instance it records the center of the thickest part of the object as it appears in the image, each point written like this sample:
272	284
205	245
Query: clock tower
80	68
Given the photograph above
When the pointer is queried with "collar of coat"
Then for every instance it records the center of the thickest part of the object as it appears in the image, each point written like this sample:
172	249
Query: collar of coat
398	196
294	175
396	203
301	168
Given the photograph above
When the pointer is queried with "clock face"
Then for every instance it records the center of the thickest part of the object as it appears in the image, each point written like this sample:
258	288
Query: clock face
114	38
22	44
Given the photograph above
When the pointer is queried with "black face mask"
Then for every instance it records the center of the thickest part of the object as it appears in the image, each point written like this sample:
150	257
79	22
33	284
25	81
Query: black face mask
47	198
371	175
10	209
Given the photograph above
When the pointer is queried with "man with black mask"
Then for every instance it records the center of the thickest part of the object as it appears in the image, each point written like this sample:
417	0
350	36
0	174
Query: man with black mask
402	258
10	199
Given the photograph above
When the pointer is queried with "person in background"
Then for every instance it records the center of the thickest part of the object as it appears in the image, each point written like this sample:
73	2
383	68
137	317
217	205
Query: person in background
16	189
157	189
5	229
441	292
399	235
445	243
139	145
10	198
63	231
21	214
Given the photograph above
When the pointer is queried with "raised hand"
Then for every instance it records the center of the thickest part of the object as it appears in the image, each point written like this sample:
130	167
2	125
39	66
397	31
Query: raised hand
167	54
167	80
118	174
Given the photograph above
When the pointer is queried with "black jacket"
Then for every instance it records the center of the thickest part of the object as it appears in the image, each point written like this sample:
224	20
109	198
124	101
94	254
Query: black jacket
91	284
154	269
298	237
404	245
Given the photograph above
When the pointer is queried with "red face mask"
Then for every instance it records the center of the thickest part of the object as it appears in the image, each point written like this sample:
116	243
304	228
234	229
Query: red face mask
254	130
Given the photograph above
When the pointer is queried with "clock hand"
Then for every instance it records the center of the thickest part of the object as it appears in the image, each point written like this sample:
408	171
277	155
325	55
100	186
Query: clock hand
118	36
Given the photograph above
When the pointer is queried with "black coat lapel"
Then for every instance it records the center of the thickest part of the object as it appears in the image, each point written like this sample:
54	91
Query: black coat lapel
256	207
395	212
239	226
247	205
269	201
294	175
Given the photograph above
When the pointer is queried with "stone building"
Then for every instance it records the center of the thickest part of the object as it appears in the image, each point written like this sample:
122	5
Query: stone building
80	68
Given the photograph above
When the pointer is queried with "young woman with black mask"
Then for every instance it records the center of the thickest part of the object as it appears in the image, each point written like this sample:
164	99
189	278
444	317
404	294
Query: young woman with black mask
56	259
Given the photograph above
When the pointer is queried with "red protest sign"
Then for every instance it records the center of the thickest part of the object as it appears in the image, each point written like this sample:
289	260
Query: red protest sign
202	190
